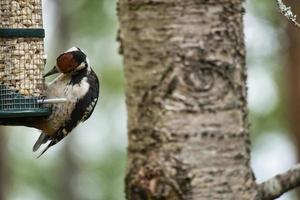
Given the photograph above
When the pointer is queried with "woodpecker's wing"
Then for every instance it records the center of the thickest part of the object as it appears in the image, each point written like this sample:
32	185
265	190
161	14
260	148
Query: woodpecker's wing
85	106
83	110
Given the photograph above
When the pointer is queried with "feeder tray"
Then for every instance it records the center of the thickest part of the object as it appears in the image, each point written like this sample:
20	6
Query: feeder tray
13	104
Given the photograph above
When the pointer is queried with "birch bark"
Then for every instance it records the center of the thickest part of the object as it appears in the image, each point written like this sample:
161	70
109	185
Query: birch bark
186	99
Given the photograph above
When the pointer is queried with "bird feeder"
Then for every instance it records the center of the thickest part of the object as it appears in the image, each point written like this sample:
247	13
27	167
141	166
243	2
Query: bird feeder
22	59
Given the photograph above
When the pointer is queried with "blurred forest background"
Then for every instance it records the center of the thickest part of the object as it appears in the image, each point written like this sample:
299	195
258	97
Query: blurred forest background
90	163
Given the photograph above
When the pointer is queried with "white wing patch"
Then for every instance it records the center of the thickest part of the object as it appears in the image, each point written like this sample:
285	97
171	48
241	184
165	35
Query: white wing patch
64	131
79	90
89	109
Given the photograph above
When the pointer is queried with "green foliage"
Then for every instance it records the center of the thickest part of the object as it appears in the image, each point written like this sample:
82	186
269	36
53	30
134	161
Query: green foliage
266	10
112	80
92	18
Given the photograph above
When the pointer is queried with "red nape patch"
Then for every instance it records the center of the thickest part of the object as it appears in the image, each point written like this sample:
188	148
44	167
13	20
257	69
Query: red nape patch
66	62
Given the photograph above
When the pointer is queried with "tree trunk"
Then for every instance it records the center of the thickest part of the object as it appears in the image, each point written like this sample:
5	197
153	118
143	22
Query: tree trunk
186	100
293	81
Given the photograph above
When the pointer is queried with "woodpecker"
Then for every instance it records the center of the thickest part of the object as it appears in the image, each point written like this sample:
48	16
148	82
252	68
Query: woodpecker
76	82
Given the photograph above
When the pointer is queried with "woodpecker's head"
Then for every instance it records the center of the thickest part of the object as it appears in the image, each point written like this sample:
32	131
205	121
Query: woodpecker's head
72	60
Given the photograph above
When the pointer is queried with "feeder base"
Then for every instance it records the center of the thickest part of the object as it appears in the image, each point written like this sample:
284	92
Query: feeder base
25	113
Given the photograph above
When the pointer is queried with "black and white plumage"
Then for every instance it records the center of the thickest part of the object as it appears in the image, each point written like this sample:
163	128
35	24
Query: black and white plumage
79	84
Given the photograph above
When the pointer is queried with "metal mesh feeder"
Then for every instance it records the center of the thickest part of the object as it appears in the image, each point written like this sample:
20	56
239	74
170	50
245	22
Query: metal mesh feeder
22	59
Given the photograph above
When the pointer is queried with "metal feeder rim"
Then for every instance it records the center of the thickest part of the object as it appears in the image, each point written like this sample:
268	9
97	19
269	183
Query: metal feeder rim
22	32
37	112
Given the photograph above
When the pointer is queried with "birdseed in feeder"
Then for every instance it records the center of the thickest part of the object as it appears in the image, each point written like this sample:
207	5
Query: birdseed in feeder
21	65
22	60
21	14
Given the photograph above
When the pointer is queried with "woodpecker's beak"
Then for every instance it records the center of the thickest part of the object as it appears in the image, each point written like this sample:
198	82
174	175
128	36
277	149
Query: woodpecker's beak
52	71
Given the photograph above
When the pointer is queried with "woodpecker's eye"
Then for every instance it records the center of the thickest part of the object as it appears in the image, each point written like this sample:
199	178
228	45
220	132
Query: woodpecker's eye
66	62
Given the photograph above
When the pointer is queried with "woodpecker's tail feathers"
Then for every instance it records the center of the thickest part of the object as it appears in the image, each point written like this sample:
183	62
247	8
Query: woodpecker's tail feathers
53	142
42	140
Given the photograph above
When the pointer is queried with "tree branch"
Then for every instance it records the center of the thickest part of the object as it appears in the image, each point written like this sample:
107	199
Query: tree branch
280	184
287	12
